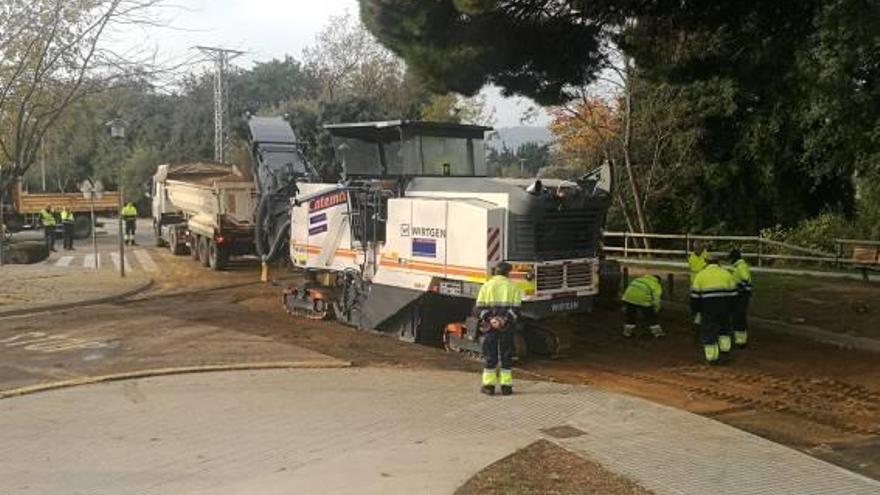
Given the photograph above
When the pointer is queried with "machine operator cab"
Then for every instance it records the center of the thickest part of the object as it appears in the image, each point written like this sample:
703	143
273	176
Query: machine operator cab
401	148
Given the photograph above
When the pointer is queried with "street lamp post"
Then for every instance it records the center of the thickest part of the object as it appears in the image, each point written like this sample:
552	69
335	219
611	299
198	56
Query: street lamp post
117	131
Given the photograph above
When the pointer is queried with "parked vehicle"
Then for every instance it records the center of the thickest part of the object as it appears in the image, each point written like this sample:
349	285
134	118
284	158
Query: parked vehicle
23	212
205	209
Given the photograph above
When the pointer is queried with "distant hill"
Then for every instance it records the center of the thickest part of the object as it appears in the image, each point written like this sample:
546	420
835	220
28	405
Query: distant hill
513	137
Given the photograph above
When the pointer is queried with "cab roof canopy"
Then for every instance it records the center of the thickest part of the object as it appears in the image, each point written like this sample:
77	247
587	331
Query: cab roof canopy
397	148
391	130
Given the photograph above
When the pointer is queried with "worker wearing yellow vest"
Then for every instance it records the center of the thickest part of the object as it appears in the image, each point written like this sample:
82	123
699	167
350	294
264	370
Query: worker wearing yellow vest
498	304
642	297
67	224
742	277
696	262
47	219
712	295
129	214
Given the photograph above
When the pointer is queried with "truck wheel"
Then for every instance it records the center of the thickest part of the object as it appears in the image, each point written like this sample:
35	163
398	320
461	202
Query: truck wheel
82	227
203	252
194	246
218	257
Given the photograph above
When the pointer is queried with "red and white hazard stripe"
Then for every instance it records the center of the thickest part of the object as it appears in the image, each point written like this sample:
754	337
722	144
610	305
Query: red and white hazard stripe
493	244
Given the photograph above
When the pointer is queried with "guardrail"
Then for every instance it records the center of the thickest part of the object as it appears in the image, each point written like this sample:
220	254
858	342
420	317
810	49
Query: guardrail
758	249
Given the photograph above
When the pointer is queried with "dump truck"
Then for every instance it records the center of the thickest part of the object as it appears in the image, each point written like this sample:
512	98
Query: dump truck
24	211
404	242
205	209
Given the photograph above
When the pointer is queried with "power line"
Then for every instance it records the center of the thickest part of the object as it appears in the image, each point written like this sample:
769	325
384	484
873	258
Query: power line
221	58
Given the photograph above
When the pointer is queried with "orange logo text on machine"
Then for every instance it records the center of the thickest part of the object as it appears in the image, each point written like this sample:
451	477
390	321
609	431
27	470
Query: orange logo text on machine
327	201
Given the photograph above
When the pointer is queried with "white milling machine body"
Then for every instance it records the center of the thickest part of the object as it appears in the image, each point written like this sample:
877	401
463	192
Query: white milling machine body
404	242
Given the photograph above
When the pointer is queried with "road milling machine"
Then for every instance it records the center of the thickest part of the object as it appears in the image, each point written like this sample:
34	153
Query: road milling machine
403	243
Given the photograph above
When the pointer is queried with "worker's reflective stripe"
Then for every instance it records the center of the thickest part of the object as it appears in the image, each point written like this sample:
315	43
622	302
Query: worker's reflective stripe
711	351
489	377
724	343
506	377
713	293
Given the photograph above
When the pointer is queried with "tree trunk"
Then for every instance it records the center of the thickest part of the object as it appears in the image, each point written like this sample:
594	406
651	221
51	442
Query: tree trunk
627	156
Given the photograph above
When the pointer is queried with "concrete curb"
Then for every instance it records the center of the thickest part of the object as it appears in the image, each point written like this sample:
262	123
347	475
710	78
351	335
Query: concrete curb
76	304
180	370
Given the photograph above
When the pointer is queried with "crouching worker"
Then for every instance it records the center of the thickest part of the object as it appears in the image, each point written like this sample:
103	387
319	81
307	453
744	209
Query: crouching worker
498	306
642	298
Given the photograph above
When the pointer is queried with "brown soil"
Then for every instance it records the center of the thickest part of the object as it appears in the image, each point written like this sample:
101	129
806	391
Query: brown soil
545	468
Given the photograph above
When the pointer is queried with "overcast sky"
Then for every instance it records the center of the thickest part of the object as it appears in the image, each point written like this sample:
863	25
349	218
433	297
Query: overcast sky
268	29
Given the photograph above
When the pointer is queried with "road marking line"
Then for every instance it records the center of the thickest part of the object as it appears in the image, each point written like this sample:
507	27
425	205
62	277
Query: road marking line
64	262
90	261
145	260
115	258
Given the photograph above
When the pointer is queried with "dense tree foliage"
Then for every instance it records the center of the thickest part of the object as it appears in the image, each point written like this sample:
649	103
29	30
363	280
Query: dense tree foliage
751	114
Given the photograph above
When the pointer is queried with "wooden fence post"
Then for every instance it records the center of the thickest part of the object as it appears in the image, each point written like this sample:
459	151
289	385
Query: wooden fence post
626	244
760	251
625	277
670	286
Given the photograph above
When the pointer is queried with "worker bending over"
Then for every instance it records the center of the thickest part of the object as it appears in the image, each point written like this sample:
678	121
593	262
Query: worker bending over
498	306
67	224
129	214
712	295
642	297
742	277
47	219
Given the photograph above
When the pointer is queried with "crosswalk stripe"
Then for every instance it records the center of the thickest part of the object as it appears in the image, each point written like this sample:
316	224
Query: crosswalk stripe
64	261
90	259
145	260
115	258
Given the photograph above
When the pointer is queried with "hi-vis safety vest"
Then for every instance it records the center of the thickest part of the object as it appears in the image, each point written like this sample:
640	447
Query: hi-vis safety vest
66	216
713	282
742	276
47	218
499	297
644	291
129	212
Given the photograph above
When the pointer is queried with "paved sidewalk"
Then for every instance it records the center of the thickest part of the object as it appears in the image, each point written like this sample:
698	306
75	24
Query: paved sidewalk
368	431
33	287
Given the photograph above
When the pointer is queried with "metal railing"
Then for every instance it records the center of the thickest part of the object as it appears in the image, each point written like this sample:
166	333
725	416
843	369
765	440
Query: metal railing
759	249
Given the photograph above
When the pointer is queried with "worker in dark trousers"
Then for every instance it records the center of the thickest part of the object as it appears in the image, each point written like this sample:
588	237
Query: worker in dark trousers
696	262
67	224
498	304
742	277
129	214
712	295
47	219
642	298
